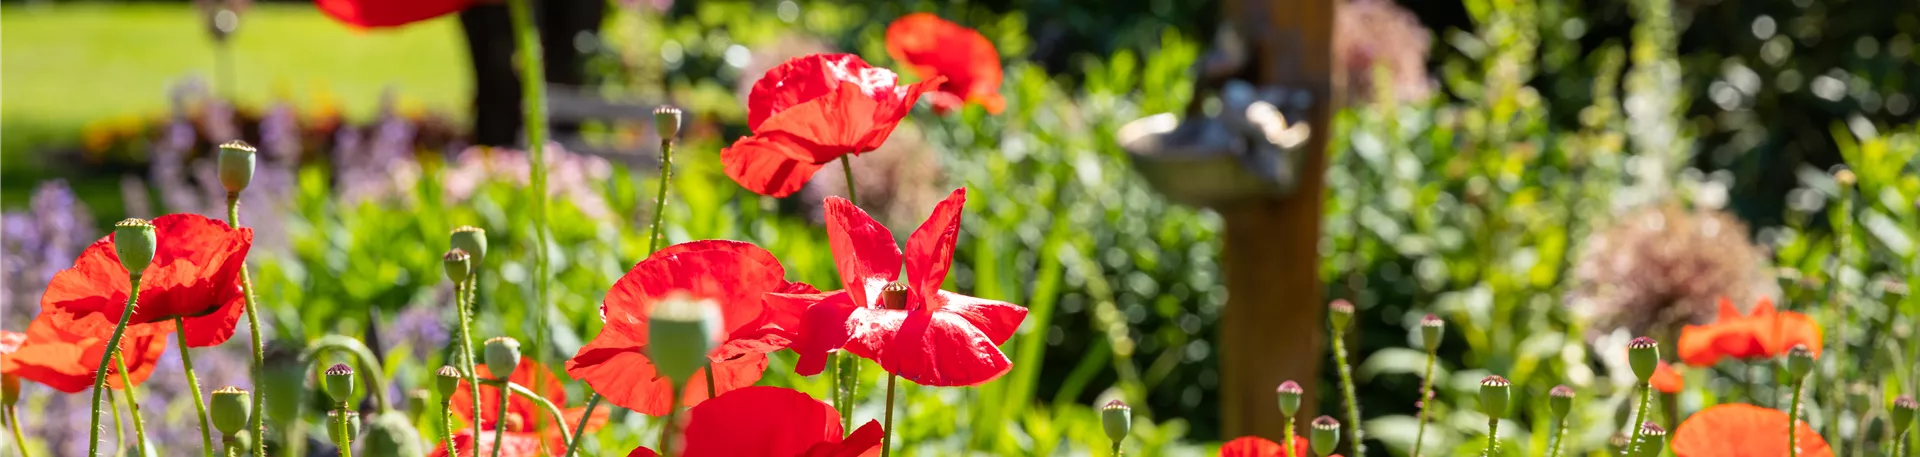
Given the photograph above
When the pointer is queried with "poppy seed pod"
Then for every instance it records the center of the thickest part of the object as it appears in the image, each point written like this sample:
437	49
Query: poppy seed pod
1117	419
134	241
666	121
1799	362
1340	314
459	265
391	434
334	419
447	380
894	295
1494	392
339	382
1431	329
502	355
1324	436
1653	439
1560	399
1903	413
1289	393
231	409
683	331
1643	354
236	165
471	239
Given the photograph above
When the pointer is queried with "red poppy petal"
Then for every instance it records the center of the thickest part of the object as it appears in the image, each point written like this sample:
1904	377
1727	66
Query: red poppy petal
548	386
765	165
995	318
849	120
863	441
1727	311
1251	446
1697	345
759	421
735	275
1668	380
863	251
1763	307
626	377
378	13
930	249
993	102
930	349
642	452
194	274
805	78
65	361
1779	332
934	47
213	329
1735	429
512	445
824	328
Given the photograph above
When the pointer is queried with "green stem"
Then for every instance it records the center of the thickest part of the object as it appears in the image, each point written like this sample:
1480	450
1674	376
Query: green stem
446	420
1426	400
1842	234
1346	391
1493	437
846	372
499	421
1288	444
119	429
1116	449
593	400
709	376
886	437
466	354
846	167
1639	415
257	421
1559	438
346	431
100	376
193	382
533	90
364	364
139	426
666	431
552	409
13	421
1793	419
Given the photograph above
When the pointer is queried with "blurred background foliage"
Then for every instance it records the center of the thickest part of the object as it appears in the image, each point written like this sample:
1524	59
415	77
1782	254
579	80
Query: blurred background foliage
1549	177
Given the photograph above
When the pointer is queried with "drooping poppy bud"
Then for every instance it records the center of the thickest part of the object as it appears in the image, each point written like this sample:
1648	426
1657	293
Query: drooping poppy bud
134	241
1643	354
231	409
1560	399
459	264
1340	314
1325	435
1653	439
1902	413
447	380
236	166
1431	329
683	331
1289	393
471	239
339	382
392	434
351	428
1117	419
1494	392
666	121
1799	362
502	355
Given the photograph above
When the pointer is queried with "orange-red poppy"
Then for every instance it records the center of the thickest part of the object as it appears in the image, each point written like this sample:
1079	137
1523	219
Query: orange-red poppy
195	275
1742	430
388	13
736	275
66	361
1763	334
811	110
937	48
1254	446
535	424
1667	380
770	422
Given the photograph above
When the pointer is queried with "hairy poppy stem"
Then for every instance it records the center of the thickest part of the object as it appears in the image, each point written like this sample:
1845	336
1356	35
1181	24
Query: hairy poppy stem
846	370
1426	400
552	409
257	424
13	421
119	429
1640	415
593	400
446	419
886	439
1793	419
1346	390
710	390
100	375
1493	437
1288	447
465	303
133	407
533	104
346	431
193	383
1559	437
499	422
666	431
846	167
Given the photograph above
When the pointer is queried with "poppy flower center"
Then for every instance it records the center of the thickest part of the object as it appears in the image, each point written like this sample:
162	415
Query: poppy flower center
894	295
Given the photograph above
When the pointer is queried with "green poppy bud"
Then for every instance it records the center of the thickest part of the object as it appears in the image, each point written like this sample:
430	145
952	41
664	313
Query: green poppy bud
1653	439
1902	413
458	265
1643	354
1117	419
1340	314
1494	392
681	333
666	121
1431	329
392	434
1844	177
231	408
1560	399
236	165
352	419
502	355
339	382
447	380
134	241
1799	362
471	239
9	389
1324	435
1289	393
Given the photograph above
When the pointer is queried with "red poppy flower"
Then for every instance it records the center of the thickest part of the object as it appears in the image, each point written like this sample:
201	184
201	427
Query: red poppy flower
1254	446
1764	334
811	110
770	422
534	423
388	13
734	274
937	48
1667	380
66	361
195	274
1742	430
927	335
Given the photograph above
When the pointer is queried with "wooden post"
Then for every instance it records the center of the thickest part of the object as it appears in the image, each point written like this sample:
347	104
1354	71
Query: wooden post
1274	326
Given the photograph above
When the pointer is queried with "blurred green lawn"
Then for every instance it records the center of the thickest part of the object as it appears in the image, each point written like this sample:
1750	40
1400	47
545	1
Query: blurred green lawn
64	65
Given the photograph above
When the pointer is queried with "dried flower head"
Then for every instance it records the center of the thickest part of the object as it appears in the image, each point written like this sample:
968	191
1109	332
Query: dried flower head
1660	267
